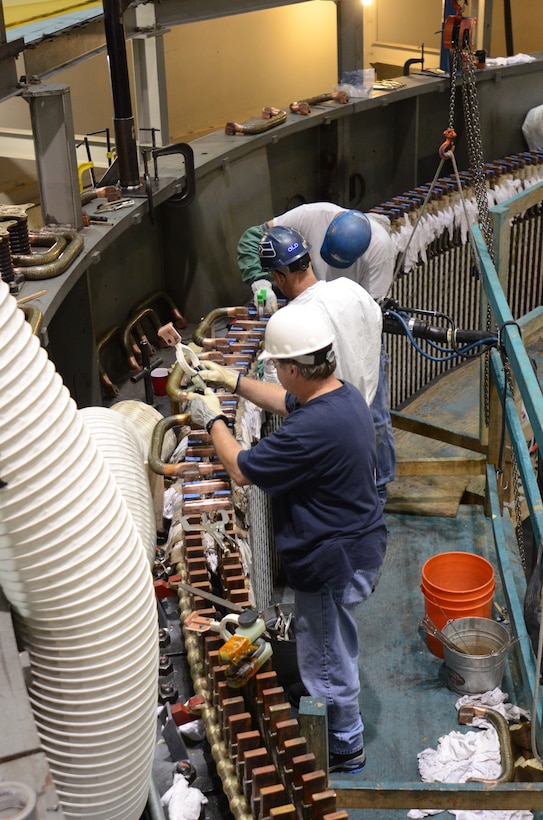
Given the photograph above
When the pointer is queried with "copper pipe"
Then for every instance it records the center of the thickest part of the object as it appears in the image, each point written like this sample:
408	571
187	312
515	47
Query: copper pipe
53	241
51	269
161	296
205	328
155	461
127	340
271	116
34	317
110	388
304	106
173	386
465	716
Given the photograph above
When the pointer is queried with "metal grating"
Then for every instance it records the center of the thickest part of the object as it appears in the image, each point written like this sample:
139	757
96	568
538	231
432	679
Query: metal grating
265	564
525	288
446	282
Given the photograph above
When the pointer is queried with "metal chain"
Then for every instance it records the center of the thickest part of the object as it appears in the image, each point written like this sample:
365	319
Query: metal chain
475	145
464	60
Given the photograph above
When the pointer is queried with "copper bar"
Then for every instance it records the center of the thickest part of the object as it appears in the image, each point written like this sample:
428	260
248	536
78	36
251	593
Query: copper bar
278	712
286	730
272	797
286	812
293	748
322	804
253	758
237	723
313	783
272	696
302	764
264	680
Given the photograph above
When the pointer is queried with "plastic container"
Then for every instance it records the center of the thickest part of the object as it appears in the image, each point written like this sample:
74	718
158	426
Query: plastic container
456	585
480	668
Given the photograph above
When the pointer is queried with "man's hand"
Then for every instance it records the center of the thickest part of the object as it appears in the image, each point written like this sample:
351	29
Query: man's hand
205	409
218	375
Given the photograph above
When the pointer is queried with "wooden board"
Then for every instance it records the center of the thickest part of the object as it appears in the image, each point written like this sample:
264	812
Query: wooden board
432	476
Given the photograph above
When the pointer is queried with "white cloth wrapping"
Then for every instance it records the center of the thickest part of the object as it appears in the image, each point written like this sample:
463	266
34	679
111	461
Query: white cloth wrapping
184	802
515	59
463	755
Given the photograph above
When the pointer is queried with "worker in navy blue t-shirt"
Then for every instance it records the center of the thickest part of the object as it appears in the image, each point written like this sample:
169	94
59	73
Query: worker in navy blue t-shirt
319	469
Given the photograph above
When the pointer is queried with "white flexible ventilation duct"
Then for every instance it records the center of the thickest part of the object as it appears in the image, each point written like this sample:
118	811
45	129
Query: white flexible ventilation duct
121	444
145	417
73	567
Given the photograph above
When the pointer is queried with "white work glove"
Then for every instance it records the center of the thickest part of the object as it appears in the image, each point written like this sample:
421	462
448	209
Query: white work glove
219	376
205	409
271	298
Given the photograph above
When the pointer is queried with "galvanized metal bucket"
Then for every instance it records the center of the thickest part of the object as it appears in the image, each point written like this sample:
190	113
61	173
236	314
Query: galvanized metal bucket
480	666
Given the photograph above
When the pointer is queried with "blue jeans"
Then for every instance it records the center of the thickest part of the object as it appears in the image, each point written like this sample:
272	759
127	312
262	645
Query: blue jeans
384	437
327	653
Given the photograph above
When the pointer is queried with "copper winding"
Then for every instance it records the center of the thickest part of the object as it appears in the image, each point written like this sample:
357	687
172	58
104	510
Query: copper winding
271	117
465	716
304	106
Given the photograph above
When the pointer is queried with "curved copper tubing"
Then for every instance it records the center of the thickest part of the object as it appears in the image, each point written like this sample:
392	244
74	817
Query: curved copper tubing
205	328
127	341
155	461
110	388
174	390
51	269
304	106
271	116
161	295
34	317
53	241
465	716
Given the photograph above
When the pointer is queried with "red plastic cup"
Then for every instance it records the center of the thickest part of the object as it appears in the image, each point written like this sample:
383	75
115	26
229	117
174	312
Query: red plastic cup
159	378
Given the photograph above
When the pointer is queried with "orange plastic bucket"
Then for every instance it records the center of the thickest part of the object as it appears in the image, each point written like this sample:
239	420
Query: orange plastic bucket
456	585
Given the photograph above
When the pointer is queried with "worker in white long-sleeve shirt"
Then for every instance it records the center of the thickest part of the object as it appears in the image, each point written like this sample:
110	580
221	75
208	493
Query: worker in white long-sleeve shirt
355	317
350	244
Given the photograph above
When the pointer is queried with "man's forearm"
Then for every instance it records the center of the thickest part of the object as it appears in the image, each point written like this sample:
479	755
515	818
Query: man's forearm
266	395
227	449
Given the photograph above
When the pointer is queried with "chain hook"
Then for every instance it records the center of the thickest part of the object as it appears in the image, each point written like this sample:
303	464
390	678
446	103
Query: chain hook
446	148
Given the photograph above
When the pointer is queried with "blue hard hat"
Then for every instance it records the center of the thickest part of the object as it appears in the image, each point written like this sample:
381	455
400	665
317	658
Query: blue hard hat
347	238
280	247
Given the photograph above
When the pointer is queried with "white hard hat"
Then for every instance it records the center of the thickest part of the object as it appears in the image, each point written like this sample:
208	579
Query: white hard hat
295	331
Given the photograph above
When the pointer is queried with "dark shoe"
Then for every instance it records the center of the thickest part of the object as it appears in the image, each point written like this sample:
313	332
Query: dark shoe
295	692
351	762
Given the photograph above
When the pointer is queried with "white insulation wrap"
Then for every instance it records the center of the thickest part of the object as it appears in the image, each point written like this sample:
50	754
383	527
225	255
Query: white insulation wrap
120	443
74	569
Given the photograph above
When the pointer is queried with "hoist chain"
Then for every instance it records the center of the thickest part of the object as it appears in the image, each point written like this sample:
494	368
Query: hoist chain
475	144
462	62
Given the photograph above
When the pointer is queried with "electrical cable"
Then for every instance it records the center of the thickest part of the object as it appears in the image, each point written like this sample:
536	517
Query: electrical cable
399	322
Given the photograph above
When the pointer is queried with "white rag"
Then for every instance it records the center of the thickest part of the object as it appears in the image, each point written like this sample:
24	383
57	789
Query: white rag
460	756
184	802
514	59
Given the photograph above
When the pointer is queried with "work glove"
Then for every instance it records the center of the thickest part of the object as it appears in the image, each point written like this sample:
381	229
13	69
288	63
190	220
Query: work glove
206	409
270	301
219	376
